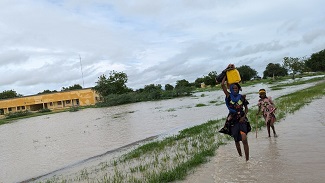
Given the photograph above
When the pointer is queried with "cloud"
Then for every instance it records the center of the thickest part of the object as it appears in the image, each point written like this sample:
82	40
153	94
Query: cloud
153	42
310	37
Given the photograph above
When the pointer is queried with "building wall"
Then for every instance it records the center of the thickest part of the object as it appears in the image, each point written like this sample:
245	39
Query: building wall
53	101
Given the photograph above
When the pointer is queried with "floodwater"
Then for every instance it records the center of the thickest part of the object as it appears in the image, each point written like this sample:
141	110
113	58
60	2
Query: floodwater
37	146
296	155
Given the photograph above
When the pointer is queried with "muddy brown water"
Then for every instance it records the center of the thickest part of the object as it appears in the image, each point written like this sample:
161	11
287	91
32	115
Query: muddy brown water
296	155
37	146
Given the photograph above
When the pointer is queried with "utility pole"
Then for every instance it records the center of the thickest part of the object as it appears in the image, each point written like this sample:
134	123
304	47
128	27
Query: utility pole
82	74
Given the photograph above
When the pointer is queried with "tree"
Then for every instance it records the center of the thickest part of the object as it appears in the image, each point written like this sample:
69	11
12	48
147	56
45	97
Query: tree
246	73
183	87
151	88
169	87
9	94
74	87
153	91
210	79
198	81
316	62
114	84
47	91
294	64
274	70
182	83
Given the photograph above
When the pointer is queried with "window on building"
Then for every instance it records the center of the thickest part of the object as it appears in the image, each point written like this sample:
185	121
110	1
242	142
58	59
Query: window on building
23	107
51	103
9	109
18	108
59	103
67	101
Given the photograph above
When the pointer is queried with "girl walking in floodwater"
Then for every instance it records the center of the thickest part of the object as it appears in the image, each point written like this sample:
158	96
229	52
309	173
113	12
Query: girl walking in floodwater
266	105
236	122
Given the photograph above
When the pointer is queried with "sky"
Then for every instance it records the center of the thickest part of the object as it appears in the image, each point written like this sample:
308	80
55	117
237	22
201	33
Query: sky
50	44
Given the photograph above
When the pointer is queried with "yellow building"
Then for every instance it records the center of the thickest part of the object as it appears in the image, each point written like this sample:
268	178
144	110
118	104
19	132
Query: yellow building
53	101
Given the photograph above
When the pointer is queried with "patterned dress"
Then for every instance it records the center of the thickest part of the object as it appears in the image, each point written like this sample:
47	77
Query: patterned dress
232	121
267	107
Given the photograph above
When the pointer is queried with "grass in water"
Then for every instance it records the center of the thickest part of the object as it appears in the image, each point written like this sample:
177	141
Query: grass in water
291	102
173	158
200	105
298	82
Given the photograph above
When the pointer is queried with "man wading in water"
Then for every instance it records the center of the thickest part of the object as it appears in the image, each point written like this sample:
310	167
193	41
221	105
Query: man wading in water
236	122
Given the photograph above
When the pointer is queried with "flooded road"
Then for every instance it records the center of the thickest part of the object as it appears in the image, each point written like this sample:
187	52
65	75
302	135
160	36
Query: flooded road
36	146
296	155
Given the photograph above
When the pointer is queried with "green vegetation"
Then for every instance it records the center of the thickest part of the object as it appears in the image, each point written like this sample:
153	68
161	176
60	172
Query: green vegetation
74	109
17	114
44	110
209	80
74	87
298	82
246	72
274	70
316	62
200	105
173	158
133	97
113	100
171	110
153	92
291	102
294	101
157	161
9	94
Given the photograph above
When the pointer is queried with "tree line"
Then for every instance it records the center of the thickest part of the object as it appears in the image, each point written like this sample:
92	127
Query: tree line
7	94
114	91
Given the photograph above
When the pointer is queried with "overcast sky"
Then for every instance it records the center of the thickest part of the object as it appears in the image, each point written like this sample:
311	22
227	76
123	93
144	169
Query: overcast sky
152	41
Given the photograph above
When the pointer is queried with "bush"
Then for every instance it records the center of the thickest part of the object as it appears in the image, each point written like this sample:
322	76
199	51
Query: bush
44	110
74	109
132	97
18	114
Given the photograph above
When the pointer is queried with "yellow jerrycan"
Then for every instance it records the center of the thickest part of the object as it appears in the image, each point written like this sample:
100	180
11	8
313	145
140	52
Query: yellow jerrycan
233	76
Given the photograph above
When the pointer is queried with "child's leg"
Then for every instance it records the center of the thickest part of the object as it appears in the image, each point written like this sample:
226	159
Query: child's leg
272	124
268	128
267	123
